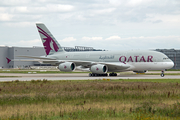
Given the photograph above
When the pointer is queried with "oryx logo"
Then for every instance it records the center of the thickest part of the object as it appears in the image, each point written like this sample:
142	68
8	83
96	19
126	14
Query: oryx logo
8	60
65	67
49	43
97	68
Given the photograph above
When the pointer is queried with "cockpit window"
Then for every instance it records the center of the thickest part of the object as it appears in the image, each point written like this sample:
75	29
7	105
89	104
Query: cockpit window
165	58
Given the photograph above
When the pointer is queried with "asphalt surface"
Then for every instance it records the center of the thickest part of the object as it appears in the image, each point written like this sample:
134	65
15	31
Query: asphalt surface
78	76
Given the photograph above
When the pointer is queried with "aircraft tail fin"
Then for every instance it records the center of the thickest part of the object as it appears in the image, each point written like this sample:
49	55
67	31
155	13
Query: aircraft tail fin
50	44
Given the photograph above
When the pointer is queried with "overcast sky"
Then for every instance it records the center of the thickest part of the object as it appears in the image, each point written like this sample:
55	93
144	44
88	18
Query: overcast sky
102	24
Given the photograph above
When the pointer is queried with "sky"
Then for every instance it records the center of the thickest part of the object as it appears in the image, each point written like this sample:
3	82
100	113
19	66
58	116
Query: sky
101	24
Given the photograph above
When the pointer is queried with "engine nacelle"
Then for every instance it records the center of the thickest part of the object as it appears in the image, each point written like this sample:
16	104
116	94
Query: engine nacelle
100	69
67	66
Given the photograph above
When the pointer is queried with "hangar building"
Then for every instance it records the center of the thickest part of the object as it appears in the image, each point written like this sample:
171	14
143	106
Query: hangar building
14	52
174	55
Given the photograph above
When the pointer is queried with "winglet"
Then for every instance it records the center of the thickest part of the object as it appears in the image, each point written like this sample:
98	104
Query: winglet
8	60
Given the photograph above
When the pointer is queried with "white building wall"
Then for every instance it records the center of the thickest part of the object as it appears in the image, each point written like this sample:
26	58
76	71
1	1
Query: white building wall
3	55
26	51
14	52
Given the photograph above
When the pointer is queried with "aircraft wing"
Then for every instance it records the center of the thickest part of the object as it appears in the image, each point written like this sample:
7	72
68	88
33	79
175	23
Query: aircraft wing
117	66
112	66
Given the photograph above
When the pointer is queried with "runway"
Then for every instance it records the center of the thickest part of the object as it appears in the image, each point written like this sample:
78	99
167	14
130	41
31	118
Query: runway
77	76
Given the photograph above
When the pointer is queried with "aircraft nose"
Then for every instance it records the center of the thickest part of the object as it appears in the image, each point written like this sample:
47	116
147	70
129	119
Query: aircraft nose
171	64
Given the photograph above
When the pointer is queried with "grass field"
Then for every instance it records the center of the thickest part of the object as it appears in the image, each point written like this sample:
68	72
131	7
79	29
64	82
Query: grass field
7	76
93	99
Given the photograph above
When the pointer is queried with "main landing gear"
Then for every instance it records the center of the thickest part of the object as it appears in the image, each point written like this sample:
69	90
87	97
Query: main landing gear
95	74
112	74
162	73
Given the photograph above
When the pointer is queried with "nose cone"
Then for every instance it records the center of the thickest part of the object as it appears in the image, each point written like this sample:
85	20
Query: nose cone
170	65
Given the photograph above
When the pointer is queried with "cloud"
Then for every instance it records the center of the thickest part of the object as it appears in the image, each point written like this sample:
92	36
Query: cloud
23	43
115	2
113	42
142	43
92	38
60	7
20	24
68	39
157	21
111	12
113	38
104	11
111	24
5	17
127	43
157	18
14	2
21	14
21	9
30	43
49	8
134	3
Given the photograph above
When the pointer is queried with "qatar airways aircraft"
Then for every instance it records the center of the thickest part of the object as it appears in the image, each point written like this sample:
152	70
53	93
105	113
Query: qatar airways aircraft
100	62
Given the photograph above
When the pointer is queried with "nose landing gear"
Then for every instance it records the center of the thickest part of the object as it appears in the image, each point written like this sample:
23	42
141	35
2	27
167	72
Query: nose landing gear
162	73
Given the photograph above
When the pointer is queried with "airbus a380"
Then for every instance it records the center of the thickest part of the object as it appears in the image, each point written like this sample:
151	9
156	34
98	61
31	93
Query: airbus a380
100	62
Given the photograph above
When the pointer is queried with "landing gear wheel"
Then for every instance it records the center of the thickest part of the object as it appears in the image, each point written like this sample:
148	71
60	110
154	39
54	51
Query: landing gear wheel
96	75
90	74
162	74
112	74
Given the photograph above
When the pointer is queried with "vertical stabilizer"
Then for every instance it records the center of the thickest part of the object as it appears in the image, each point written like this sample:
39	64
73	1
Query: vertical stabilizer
49	42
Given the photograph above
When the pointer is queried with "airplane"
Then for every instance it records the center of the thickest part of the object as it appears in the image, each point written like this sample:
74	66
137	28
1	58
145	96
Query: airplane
100	63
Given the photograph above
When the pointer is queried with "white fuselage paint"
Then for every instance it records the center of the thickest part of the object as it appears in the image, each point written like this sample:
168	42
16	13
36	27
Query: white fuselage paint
137	60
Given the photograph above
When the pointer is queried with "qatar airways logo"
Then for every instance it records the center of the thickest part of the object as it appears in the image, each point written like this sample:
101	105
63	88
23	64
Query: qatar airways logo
49	43
106	57
125	59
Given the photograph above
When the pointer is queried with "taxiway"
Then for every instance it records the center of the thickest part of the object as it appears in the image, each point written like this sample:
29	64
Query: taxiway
77	76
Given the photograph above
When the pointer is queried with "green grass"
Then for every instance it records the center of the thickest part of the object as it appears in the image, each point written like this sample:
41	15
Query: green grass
90	99
173	70
160	73
150	80
8	76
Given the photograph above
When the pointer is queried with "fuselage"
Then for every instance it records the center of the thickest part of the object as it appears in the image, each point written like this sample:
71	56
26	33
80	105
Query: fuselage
137	60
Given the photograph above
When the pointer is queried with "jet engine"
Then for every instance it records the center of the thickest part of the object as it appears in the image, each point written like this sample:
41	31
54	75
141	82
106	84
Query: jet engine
67	66
100	69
